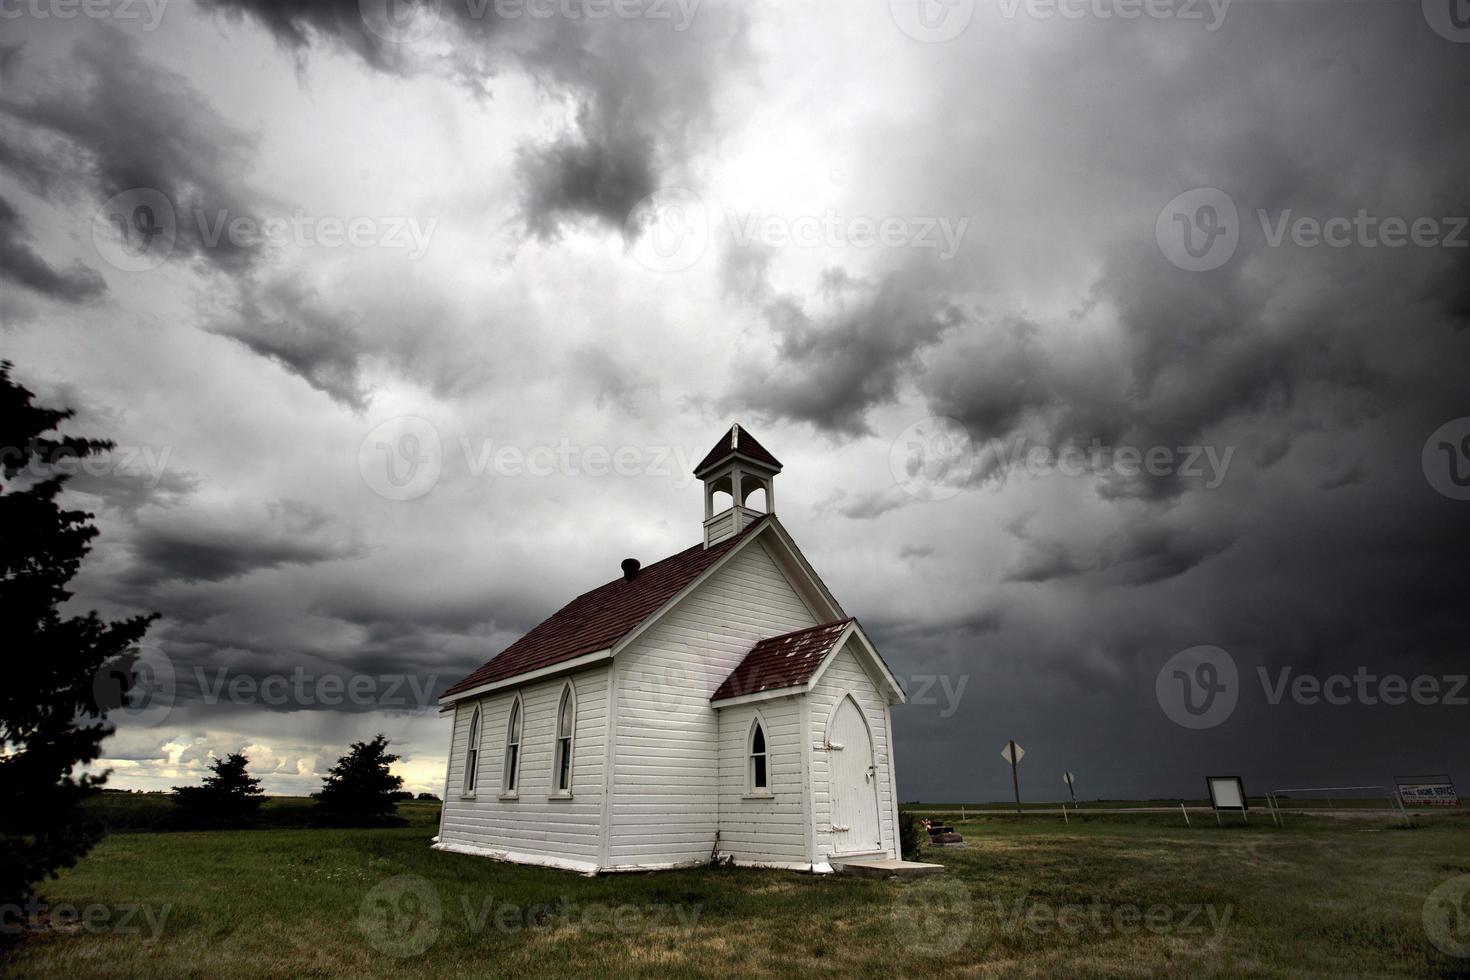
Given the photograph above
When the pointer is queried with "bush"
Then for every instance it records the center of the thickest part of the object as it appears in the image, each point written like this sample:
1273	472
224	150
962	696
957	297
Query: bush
910	836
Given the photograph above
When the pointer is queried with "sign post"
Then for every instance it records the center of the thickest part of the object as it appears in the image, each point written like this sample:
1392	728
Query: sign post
1068	778
1013	753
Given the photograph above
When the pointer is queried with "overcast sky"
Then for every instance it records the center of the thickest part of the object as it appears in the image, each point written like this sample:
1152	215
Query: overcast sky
410	321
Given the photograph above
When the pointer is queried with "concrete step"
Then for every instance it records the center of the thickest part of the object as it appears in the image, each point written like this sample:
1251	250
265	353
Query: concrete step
884	868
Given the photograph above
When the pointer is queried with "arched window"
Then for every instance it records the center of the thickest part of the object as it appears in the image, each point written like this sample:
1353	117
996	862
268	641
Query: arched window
566	723
513	747
760	776
472	756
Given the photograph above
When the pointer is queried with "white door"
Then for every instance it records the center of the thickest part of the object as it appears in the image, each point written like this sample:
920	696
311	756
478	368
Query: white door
854	782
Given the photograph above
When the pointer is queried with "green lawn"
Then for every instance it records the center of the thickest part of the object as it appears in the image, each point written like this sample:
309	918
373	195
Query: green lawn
1136	895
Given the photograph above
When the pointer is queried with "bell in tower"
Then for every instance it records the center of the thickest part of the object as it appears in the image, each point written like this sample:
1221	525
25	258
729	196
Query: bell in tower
738	466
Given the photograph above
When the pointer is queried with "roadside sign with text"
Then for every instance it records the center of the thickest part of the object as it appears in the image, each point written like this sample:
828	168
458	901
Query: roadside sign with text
1427	791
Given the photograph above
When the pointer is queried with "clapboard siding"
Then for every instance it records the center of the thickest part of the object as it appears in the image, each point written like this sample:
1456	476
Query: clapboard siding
532	823
719	527
666	753
847	675
763	830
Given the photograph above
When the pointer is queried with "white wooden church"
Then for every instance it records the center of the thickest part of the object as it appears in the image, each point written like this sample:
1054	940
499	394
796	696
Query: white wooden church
718	704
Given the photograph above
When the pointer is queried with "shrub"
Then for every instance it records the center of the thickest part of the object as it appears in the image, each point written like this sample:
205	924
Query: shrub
910	836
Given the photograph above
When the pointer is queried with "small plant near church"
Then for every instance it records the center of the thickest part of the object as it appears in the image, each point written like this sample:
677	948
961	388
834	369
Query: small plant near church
910	835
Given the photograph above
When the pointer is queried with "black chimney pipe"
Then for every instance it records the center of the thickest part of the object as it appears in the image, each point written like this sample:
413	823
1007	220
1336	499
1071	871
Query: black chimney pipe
630	568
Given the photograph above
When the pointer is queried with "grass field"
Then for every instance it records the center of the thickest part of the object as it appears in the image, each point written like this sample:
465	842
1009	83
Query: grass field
1133	895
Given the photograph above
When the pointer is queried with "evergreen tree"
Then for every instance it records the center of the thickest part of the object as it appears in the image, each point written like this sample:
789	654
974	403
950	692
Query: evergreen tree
359	788
229	793
51	715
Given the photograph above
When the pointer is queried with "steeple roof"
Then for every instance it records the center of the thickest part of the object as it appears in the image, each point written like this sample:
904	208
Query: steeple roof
737	440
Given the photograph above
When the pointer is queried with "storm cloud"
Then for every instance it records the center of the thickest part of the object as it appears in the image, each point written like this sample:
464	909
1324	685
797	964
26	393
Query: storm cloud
113	121
22	266
641	85
1036	465
828	369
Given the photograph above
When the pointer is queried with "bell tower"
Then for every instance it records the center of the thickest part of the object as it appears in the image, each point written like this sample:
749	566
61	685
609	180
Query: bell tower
738	466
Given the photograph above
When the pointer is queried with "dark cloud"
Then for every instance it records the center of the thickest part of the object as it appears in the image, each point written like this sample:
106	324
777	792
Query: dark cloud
297	24
598	175
20	265
998	375
1043	561
921	630
1191	358
1324	370
229	546
645	91
245	629
1154	551
119	122
124	123
643	85
830	368
285	320
864	506
1350	475
129	491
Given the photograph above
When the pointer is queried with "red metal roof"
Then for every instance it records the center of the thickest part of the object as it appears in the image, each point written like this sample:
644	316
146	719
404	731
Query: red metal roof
737	440
598	619
782	661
